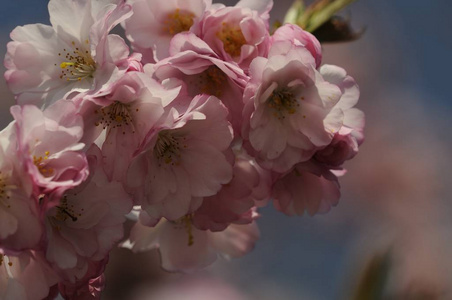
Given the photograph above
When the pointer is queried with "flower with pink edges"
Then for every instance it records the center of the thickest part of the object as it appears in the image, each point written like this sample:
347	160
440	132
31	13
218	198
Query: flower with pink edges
199	70
184	160
313	186
306	188
236	34
155	22
86	222
185	248
74	55
301	38
48	143
127	113
286	103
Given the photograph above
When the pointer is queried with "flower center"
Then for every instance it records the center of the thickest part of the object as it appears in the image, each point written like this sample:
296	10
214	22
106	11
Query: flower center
40	163
167	148
78	64
210	82
116	115
232	38
283	102
65	211
178	21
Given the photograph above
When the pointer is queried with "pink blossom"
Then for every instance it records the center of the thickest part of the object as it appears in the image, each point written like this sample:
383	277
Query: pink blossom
49	145
184	160
20	226
286	103
313	186
300	38
237	34
25	276
183	247
346	141
199	71
353	118
127	113
306	188
155	22
74	55
86	223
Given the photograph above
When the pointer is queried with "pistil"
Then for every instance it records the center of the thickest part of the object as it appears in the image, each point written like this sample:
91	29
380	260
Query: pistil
167	147
116	115
282	102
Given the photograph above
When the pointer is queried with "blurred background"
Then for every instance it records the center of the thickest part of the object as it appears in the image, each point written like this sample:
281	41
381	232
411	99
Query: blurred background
392	228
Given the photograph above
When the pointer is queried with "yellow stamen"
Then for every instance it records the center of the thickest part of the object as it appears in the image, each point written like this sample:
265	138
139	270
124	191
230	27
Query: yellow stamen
40	163
116	115
283	102
178	21
232	38
78	64
65	64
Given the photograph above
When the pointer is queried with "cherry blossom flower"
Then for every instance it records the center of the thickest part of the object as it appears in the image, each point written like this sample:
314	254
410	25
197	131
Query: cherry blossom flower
286	103
345	143
237	34
127	112
155	22
185	248
184	160
313	186
353	118
301	38
49	145
200	71
306	188
76	54
86	223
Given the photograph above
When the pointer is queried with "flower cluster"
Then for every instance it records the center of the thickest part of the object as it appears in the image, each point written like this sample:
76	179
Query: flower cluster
209	118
